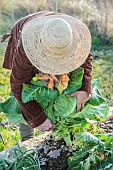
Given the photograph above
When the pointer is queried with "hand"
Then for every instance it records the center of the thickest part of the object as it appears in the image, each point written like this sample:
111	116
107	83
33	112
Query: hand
45	126
82	97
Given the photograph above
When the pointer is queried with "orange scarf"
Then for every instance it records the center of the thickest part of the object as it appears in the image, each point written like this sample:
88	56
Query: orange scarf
62	84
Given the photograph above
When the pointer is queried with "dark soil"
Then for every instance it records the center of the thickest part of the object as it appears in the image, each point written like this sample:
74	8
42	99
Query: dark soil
53	155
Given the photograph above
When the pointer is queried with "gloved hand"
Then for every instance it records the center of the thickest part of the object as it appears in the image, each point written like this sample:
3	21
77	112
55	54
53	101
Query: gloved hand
45	126
82	97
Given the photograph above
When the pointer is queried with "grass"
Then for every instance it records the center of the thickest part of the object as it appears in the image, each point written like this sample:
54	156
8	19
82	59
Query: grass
4	75
103	67
9	135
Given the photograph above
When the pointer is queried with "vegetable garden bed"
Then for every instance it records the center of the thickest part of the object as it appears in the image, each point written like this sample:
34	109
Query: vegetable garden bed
53	154
75	143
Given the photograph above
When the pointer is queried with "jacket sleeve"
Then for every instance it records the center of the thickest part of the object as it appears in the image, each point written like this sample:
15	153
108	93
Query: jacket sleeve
22	72
86	82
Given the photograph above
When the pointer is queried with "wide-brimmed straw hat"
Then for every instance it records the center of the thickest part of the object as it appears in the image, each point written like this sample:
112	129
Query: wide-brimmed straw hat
56	44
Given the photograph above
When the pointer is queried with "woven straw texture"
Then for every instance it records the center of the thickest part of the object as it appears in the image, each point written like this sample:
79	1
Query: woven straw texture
56	44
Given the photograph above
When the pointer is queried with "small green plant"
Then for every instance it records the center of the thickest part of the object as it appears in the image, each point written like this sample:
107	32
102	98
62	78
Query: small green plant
27	160
9	137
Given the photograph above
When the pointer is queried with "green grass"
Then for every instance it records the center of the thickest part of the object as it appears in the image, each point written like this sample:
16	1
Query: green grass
103	67
4	75
10	137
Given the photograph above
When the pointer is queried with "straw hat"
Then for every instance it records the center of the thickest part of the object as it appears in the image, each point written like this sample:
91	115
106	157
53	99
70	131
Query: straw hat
56	44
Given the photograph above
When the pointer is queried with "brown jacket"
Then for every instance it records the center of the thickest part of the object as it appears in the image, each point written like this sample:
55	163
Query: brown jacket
22	70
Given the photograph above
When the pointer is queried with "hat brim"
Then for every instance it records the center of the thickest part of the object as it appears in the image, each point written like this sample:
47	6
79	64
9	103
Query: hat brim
48	62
